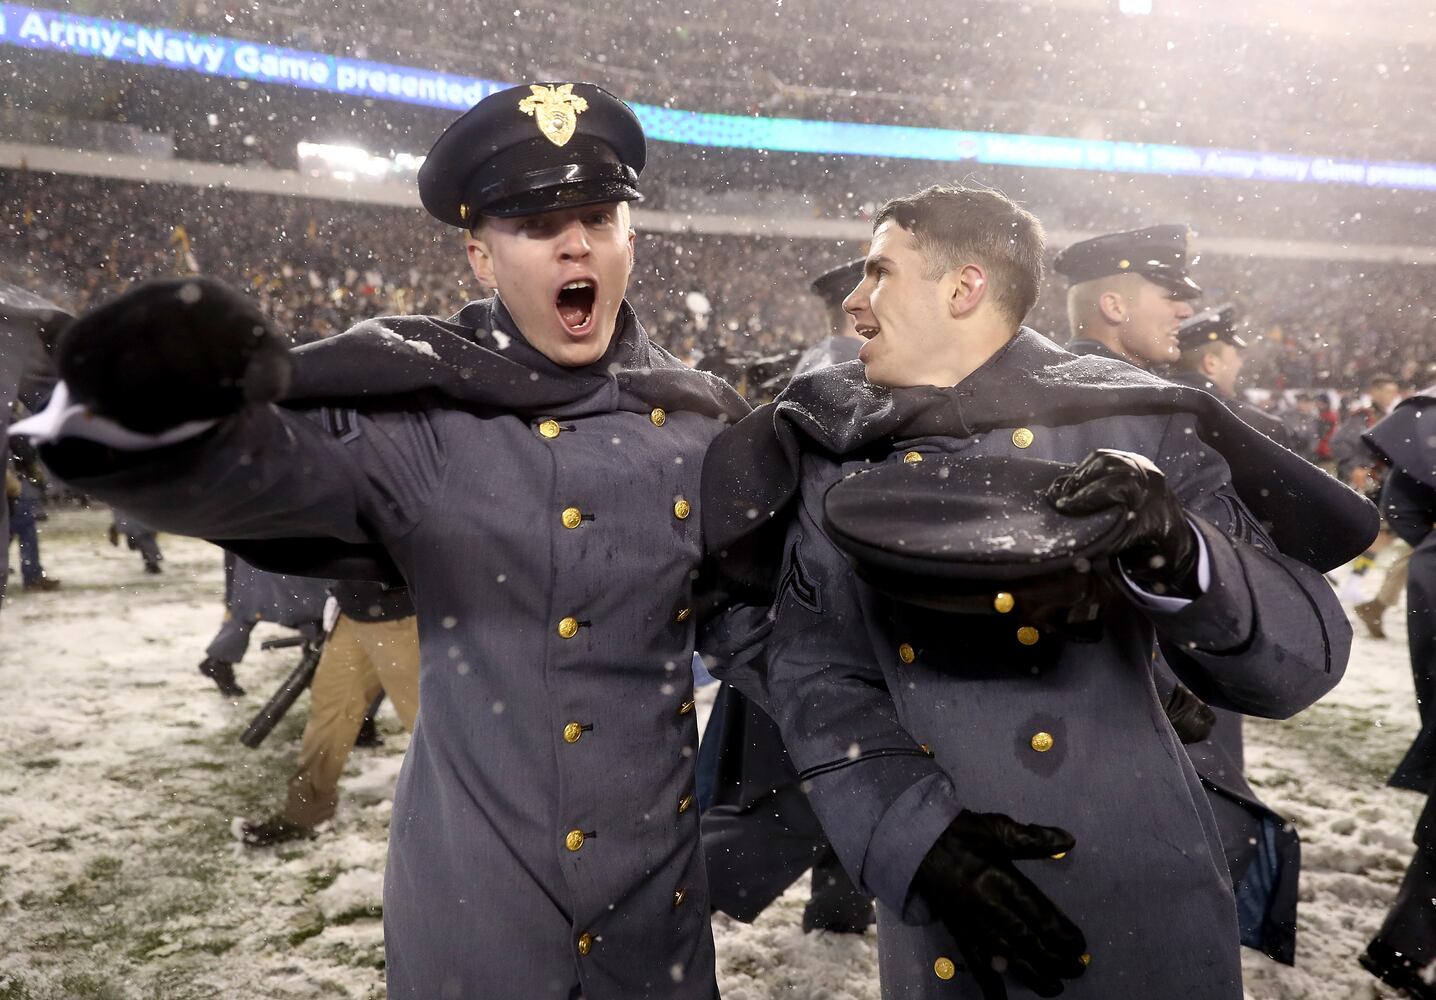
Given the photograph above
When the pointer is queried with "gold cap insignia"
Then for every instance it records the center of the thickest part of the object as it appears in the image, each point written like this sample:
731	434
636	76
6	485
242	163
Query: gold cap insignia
555	110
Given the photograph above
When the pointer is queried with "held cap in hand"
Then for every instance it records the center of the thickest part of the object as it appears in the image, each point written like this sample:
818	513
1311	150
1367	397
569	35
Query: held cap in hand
171	351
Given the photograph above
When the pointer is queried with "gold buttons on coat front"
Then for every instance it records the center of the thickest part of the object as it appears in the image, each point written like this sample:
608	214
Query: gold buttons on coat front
906	653
943	968
683	614
684	803
658	417
572	732
568	628
685	708
679	895
572	517
574	840
912	456
1022	437
1042	742
1086	959
1027	635
585	943
549	428
682	508
1003	603
1059	855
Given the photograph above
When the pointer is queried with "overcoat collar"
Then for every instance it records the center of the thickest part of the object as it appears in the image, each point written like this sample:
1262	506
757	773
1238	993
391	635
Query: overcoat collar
479	359
750	476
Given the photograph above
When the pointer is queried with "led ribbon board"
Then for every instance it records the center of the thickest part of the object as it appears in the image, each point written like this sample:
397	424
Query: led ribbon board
214	55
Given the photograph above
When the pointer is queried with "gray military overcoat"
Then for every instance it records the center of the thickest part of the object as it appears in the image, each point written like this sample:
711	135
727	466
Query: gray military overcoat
897	726
544	842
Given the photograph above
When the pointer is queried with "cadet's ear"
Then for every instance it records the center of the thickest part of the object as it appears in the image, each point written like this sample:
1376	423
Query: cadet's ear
481	261
1113	307
967	289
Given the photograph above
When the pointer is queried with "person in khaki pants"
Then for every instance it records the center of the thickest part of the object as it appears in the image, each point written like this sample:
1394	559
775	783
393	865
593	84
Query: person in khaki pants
373	647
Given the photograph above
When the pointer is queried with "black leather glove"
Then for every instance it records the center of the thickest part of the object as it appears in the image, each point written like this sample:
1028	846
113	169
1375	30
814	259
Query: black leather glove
1158	547
170	351
1000	920
1191	717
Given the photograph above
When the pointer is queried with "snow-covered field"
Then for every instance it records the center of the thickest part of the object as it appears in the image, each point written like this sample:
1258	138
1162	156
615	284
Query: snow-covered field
121	775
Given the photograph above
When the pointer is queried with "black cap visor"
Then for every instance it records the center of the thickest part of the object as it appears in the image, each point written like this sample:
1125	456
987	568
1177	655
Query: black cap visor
1176	281
571	185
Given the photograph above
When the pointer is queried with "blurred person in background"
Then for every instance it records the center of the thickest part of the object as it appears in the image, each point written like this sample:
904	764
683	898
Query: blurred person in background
138	538
1211	360
24	491
1128	294
1129	298
28	327
1404	950
1363	468
372	649
251	596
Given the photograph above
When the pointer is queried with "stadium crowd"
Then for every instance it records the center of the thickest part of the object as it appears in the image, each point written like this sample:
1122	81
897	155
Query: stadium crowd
945	65
717	301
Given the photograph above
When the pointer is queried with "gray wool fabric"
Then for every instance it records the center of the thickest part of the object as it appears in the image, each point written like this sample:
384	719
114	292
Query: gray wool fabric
543	841
897	726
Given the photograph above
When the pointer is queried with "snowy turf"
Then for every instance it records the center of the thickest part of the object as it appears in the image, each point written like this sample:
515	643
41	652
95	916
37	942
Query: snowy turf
121	777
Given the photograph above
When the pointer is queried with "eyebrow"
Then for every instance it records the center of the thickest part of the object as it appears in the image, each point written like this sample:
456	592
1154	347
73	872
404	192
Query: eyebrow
873	263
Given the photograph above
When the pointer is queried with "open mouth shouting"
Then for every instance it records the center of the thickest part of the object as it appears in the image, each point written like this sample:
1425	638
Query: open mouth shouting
575	303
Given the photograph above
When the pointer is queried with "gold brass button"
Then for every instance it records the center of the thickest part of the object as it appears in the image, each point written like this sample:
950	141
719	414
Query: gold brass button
658	417
685	708
926	749
906	653
1004	602
1059	855
572	517
464	211
683	614
549	428
682	509
574	840
684	803
585	943
572	732
1022	437
679	895
1027	635
943	968
1042	742
912	456
1086	959
568	628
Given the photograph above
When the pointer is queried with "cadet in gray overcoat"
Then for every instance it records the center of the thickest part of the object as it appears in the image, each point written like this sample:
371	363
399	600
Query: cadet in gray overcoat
928	738
530	468
1130	298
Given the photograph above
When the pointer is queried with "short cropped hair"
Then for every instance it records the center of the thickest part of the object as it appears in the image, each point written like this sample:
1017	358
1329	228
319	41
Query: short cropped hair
953	226
1192	357
1381	378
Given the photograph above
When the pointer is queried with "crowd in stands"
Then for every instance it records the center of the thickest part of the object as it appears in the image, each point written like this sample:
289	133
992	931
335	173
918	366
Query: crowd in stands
1219	81
717	301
